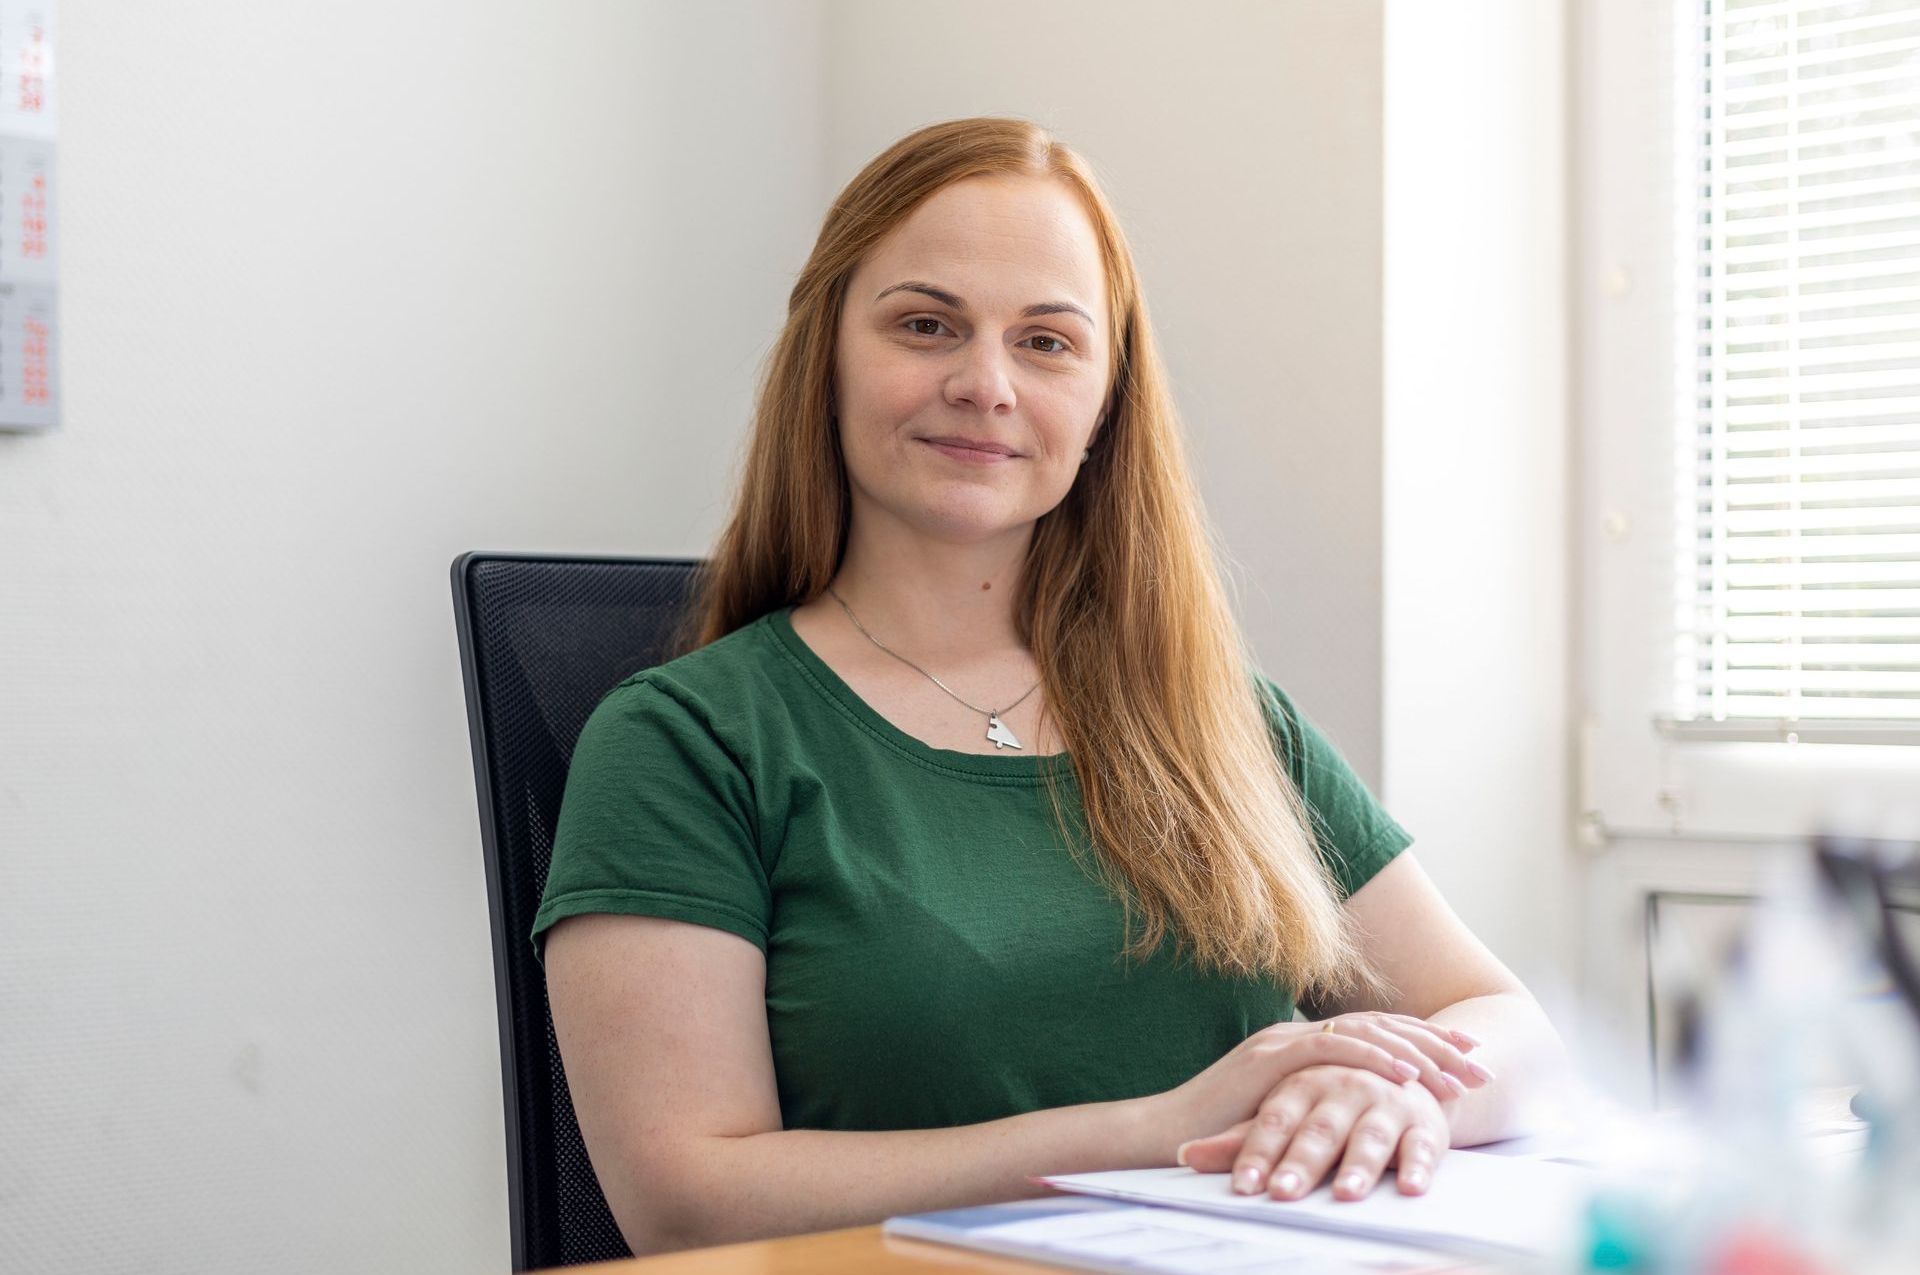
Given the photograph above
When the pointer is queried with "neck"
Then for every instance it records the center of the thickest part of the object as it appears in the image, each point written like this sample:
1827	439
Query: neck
935	597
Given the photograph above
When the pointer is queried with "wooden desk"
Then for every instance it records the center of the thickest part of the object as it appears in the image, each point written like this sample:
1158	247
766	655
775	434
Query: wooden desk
854	1251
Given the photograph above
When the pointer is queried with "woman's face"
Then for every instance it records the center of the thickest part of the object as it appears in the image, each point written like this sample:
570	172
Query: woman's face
972	362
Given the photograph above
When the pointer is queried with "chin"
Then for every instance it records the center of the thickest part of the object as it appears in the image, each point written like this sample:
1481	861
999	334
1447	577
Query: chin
965	521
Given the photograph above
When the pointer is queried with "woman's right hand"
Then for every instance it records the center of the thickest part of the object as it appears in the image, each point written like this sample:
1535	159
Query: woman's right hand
1233	1088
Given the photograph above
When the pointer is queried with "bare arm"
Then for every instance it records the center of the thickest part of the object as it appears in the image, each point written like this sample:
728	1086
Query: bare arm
1333	1120
1442	973
662	1028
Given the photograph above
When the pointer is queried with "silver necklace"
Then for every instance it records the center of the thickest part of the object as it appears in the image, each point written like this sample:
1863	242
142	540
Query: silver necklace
996	729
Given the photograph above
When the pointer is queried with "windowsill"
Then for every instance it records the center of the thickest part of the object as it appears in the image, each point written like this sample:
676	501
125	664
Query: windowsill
1783	731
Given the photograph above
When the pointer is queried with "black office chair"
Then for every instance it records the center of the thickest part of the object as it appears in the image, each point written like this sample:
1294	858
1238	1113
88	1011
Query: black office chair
542	639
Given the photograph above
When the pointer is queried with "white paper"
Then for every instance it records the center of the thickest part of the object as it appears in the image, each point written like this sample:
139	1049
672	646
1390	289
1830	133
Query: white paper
1142	1240
1481	1205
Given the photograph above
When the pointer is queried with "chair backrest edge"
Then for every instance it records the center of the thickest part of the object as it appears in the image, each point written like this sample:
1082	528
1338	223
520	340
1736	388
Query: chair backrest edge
496	905
539	1237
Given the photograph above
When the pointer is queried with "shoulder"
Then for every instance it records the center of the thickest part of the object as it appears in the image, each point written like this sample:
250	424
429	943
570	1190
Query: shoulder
1285	722
1310	755
713	694
1357	835
722	674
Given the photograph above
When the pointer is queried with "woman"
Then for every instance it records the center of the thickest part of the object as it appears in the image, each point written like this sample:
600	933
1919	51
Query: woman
966	845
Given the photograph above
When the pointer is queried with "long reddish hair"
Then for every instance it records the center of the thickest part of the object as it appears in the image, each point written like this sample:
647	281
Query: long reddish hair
1193	819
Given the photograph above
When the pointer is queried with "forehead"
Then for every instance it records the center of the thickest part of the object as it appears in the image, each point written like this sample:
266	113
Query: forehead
999	242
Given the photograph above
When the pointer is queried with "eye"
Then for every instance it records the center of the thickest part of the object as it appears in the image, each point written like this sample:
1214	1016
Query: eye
1059	344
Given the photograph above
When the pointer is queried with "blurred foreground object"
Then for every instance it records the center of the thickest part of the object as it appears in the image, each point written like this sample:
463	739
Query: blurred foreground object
1818	998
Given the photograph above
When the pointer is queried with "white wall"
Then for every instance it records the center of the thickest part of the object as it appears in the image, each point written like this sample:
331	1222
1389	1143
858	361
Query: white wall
348	287
1478	557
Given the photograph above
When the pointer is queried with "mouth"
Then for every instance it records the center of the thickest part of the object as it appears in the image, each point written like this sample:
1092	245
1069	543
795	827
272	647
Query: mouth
979	451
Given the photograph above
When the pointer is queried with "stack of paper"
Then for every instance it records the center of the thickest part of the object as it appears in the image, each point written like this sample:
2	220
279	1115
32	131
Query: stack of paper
1138	1239
1480	1205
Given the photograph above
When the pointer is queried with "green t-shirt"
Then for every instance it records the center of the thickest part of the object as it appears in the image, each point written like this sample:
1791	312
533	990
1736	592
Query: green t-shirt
934	954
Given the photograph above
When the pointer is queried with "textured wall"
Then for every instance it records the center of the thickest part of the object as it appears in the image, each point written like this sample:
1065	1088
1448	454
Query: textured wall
348	288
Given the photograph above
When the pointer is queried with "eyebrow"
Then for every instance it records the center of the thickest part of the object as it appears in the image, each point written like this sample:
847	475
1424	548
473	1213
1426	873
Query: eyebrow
948	299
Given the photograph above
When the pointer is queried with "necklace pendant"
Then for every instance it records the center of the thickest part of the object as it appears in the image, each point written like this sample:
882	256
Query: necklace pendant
997	732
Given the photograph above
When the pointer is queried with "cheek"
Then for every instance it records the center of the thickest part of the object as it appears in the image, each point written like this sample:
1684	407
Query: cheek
879	380
871	447
1071	414
857	447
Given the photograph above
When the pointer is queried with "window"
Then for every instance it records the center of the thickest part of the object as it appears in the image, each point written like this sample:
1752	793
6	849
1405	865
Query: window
1748	364
1798	572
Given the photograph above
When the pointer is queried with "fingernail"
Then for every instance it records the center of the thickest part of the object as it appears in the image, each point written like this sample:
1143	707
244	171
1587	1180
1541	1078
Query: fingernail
1287	1183
1180	1153
1246	1181
1353	1183
1471	1041
1456	1084
1479	1070
1404	1069
1417	1179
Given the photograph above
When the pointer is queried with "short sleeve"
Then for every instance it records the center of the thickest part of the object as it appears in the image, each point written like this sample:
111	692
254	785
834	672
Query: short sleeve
656	820
1355	834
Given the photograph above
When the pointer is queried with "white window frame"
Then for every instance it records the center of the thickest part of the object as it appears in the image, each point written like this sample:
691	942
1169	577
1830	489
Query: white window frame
1637	775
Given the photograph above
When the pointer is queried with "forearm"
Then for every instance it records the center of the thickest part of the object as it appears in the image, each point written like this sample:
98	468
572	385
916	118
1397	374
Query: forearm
792	1181
1529	1064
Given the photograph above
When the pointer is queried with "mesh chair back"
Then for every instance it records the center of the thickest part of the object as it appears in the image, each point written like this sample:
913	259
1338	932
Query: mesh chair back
541	641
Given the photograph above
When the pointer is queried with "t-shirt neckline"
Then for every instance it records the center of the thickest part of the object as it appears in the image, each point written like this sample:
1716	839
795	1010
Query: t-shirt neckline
829	683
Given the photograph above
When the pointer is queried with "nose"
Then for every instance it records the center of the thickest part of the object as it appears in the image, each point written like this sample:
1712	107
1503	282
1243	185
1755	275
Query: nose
983	378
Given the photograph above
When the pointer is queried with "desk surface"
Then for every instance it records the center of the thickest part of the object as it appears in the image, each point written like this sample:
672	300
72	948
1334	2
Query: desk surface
854	1251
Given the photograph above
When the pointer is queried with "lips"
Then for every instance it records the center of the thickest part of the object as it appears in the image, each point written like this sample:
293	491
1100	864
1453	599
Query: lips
970	448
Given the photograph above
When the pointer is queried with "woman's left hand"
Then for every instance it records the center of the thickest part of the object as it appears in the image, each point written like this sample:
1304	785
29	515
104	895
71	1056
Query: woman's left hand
1331	1118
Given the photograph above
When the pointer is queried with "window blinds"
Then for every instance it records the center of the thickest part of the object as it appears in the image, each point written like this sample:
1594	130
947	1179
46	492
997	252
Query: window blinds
1798	600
